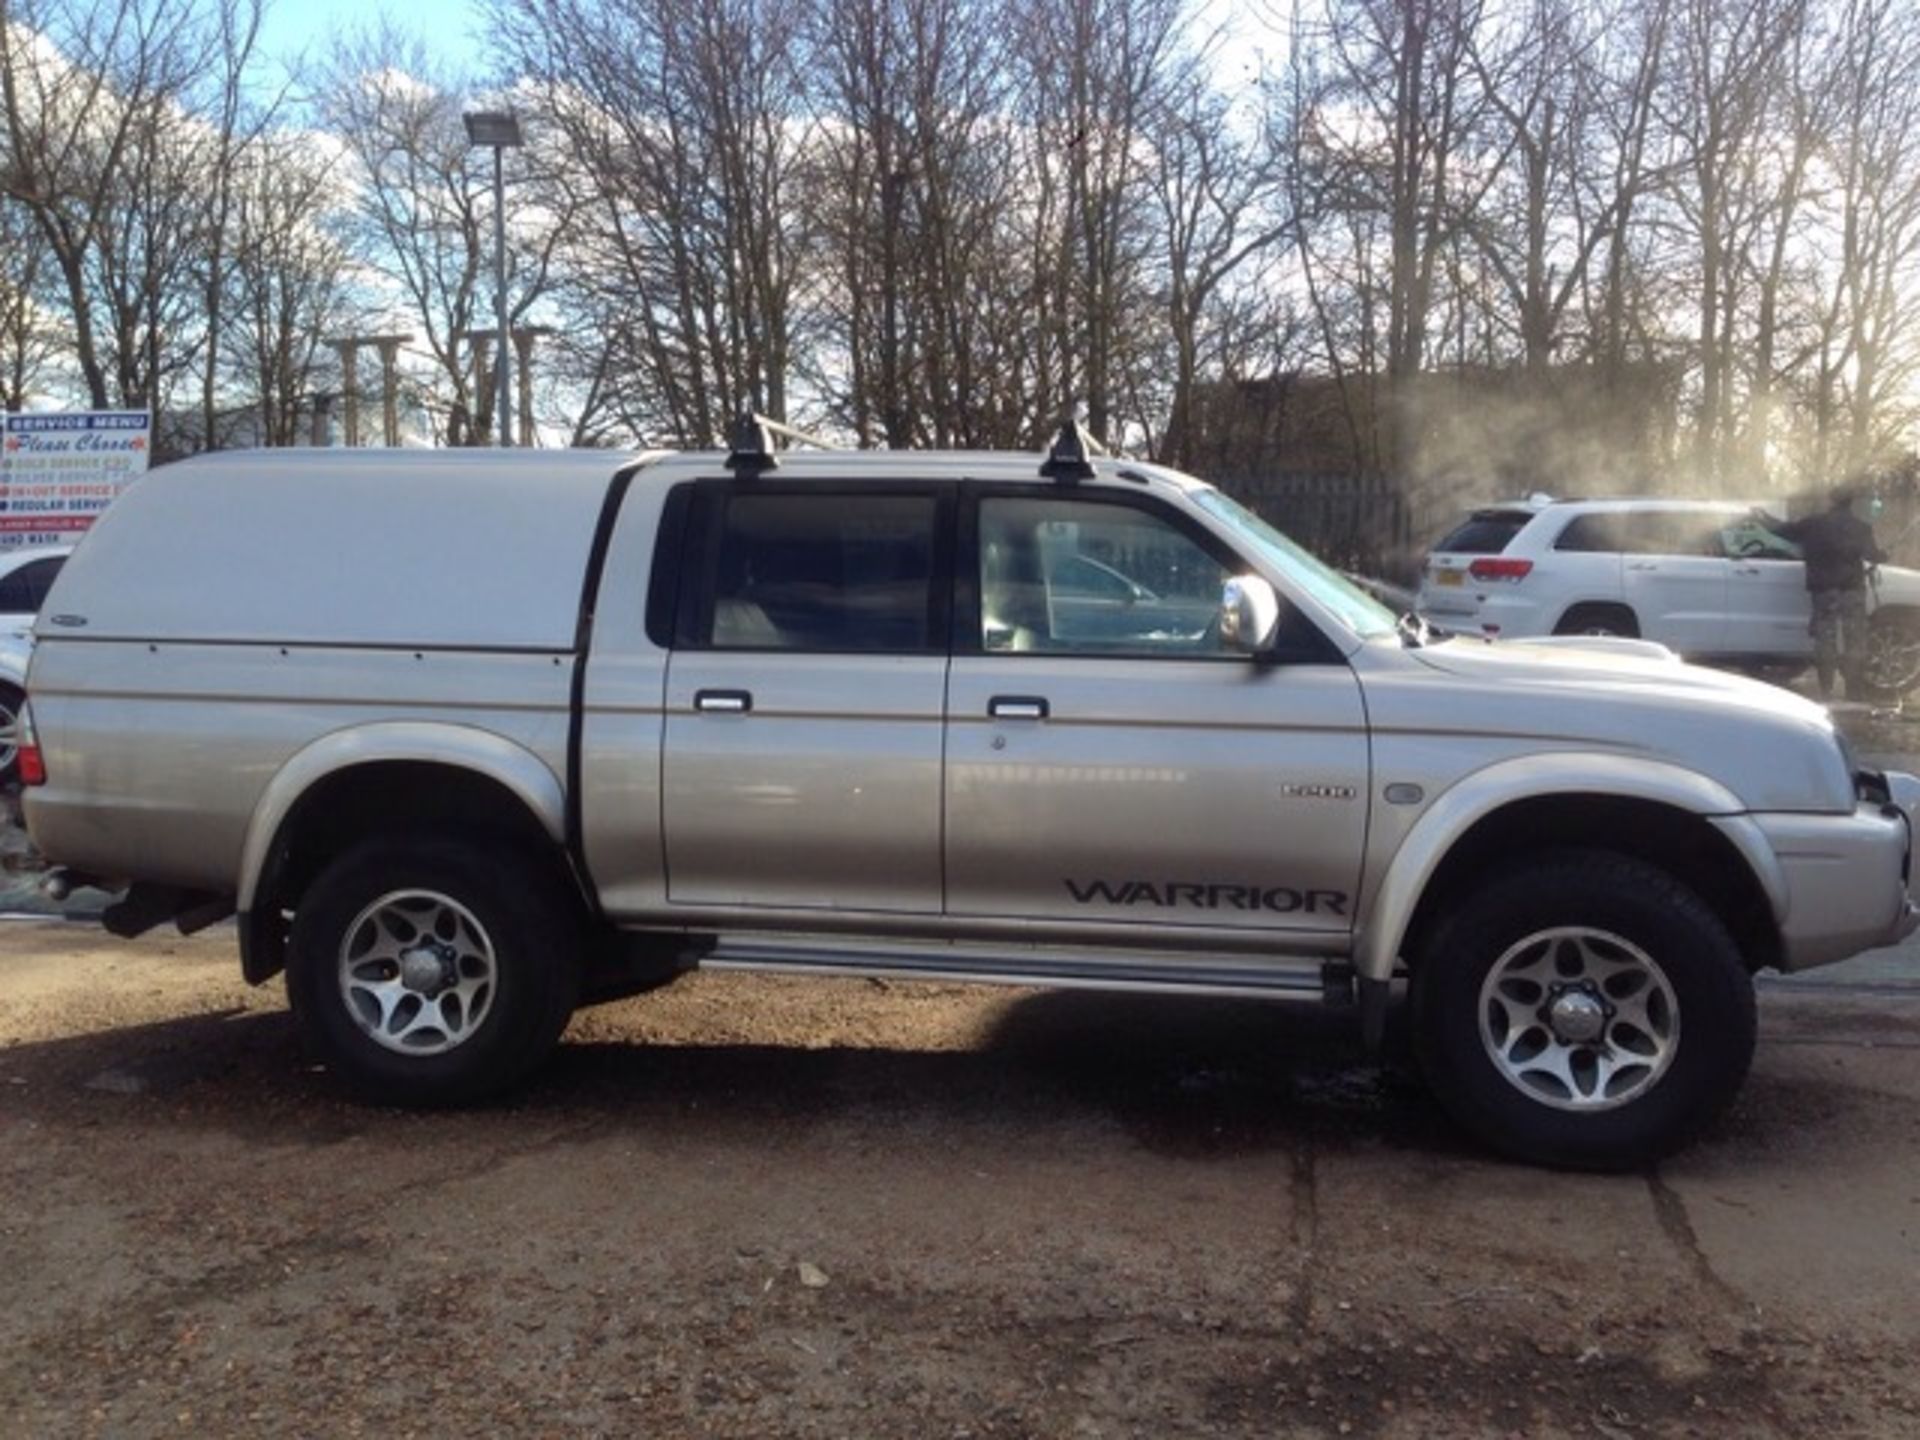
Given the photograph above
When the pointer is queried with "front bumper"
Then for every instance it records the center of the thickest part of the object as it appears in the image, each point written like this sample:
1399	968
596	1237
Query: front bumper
1848	882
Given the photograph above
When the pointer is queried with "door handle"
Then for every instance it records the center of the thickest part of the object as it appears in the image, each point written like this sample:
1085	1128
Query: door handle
723	702
1746	569
1643	565
1017	707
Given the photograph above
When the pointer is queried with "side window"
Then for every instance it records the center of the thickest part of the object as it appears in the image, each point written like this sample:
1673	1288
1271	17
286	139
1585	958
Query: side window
36	579
1697	532
1592	534
22	589
1747	539
1673	532
826	572
1074	577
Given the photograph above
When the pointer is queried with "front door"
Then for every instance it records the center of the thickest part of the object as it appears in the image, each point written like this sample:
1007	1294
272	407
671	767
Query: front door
1114	761
1674	577
805	700
1768	612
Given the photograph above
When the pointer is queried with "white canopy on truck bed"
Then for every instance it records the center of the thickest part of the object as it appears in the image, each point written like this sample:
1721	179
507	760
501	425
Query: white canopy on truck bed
435	549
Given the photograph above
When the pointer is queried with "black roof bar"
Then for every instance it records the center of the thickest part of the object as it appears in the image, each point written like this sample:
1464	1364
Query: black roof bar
1067	461
750	447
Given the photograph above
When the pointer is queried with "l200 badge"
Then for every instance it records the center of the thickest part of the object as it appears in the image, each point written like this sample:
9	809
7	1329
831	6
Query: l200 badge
1317	792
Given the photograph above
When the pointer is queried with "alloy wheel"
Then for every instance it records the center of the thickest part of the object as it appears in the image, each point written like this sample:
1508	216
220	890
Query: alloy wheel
418	972
1579	1019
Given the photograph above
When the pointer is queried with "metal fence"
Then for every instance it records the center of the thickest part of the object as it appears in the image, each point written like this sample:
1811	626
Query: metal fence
1363	523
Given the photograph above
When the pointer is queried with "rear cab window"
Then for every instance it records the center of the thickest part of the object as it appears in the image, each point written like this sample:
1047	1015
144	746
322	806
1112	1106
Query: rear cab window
822	571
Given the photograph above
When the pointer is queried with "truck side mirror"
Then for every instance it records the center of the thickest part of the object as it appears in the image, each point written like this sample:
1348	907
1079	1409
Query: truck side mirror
1249	614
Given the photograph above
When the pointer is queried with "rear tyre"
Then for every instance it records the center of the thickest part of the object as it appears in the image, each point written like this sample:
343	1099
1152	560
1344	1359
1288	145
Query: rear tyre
1893	652
430	971
1585	1010
13	704
1594	618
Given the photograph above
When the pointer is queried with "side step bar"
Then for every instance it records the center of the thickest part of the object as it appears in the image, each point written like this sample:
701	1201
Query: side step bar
1059	969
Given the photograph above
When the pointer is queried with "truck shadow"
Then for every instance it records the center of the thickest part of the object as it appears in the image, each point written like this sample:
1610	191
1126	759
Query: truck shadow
1196	1080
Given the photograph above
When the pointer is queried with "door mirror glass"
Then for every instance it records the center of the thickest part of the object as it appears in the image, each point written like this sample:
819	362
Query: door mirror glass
1249	614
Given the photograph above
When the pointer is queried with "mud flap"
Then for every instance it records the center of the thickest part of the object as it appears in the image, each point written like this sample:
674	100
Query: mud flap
1373	997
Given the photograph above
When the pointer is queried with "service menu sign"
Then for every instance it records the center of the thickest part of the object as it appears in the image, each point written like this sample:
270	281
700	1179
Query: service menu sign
58	472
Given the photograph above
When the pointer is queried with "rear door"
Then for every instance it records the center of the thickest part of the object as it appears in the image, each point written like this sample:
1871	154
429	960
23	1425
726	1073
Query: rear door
1675	577
1137	770
805	698
1585	566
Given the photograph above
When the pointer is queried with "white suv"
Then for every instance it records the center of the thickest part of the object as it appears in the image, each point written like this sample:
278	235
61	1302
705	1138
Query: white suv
1709	578
25	577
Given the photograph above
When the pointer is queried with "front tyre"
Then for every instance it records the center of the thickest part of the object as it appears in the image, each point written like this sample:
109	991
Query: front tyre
431	971
1584	1009
1893	652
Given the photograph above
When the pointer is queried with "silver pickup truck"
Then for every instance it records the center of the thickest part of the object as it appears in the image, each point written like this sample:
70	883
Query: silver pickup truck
468	739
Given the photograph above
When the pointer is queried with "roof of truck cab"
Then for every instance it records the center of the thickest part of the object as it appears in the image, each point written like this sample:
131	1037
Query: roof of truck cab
464	549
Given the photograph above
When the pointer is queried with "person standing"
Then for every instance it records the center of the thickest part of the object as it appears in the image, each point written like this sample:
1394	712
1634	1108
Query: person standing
1839	550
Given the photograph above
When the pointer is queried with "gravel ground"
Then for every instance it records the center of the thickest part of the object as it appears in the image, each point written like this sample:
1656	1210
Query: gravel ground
753	1206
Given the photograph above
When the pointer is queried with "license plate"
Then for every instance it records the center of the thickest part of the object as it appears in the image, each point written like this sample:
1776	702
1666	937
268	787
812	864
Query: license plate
1449	577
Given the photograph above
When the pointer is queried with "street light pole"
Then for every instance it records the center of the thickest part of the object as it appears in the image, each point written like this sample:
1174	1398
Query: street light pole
500	403
498	130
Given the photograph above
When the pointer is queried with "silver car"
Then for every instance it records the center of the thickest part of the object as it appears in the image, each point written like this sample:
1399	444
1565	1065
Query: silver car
857	714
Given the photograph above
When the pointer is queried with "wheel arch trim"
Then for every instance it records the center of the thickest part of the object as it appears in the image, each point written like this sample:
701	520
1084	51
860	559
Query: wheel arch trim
1619	605
523	774
1541	777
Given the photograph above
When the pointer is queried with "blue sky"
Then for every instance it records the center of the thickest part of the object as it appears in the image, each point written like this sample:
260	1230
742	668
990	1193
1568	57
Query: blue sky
450	27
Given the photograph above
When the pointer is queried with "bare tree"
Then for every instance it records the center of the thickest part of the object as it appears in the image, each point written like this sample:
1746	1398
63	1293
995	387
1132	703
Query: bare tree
238	120
911	189
29	343
90	98
1217	206
1617	174
1097	72
286	285
423	217
1867	349
683	121
1731	57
